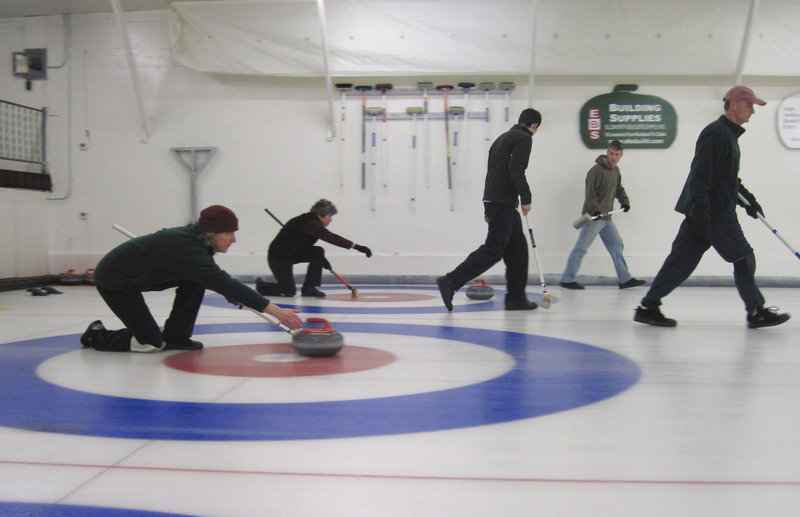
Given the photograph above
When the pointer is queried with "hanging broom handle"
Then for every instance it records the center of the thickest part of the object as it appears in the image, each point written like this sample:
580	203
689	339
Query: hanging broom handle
273	216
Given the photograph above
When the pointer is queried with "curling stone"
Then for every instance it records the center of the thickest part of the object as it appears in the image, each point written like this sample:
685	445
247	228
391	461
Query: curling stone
321	341
480	291
71	277
88	276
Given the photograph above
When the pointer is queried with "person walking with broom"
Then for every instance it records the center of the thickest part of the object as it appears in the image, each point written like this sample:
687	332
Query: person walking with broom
708	200
505	188
603	184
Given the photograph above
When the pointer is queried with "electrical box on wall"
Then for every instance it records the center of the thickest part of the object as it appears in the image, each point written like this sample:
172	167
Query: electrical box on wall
31	63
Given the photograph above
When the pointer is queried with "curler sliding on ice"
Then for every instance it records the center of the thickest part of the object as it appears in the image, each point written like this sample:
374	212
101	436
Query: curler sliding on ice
268	317
180	258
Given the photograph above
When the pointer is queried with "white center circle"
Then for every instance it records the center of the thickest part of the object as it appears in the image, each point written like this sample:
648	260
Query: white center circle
421	367
279	358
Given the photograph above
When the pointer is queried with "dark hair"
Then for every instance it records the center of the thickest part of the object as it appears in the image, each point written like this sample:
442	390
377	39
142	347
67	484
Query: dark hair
530	116
727	105
323	207
616	145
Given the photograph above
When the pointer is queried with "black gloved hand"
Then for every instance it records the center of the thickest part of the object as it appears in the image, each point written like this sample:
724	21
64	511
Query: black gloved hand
753	209
363	249
326	264
701	221
596	213
750	204
625	208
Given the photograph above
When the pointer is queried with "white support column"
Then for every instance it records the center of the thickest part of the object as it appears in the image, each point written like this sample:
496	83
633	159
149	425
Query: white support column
194	166
325	60
137	87
532	71
745	42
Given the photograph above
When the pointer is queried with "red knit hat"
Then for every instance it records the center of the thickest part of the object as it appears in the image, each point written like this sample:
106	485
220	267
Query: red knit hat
218	219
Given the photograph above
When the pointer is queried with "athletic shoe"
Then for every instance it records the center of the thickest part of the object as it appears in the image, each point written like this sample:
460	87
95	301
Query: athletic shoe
183	344
266	288
633	282
572	285
313	292
653	316
144	348
260	284
522	305
447	291
767	317
90	337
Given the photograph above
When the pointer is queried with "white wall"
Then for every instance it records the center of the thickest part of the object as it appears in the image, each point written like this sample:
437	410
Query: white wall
273	152
24	214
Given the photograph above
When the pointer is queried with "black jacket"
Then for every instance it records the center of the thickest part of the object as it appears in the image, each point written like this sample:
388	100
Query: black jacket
713	183
300	233
508	159
160	260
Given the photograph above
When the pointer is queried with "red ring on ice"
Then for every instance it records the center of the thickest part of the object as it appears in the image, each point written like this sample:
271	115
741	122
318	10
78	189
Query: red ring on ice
276	360
367	296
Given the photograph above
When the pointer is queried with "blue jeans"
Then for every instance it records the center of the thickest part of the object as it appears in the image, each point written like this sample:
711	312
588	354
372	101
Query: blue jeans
611	239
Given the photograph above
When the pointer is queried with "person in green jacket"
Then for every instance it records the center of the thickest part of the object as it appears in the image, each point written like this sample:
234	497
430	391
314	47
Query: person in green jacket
603	184
181	257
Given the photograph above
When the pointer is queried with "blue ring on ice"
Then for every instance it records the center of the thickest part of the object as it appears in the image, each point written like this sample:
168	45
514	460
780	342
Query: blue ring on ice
549	375
71	510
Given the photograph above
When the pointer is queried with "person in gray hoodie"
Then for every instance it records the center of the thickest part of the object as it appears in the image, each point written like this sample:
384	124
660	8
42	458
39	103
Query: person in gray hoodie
603	185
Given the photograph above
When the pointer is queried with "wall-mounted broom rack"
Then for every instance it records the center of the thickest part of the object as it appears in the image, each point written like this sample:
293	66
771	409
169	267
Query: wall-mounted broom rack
477	115
456	92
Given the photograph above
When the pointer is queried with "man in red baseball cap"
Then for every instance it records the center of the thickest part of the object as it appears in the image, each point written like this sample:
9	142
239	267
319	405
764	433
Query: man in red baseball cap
183	258
708	200
742	93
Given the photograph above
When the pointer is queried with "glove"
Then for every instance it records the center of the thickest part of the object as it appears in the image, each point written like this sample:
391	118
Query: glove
625	208
233	302
596	214
701	221
326	264
753	209
363	249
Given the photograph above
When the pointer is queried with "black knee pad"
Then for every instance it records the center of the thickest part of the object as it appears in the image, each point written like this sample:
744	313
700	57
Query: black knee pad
746	266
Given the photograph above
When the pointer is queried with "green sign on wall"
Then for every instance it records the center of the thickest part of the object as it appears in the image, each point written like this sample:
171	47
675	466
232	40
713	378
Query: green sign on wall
638	121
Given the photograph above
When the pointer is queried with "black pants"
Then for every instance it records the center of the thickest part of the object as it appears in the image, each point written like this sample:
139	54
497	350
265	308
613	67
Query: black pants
282	270
129	306
688	248
504	240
